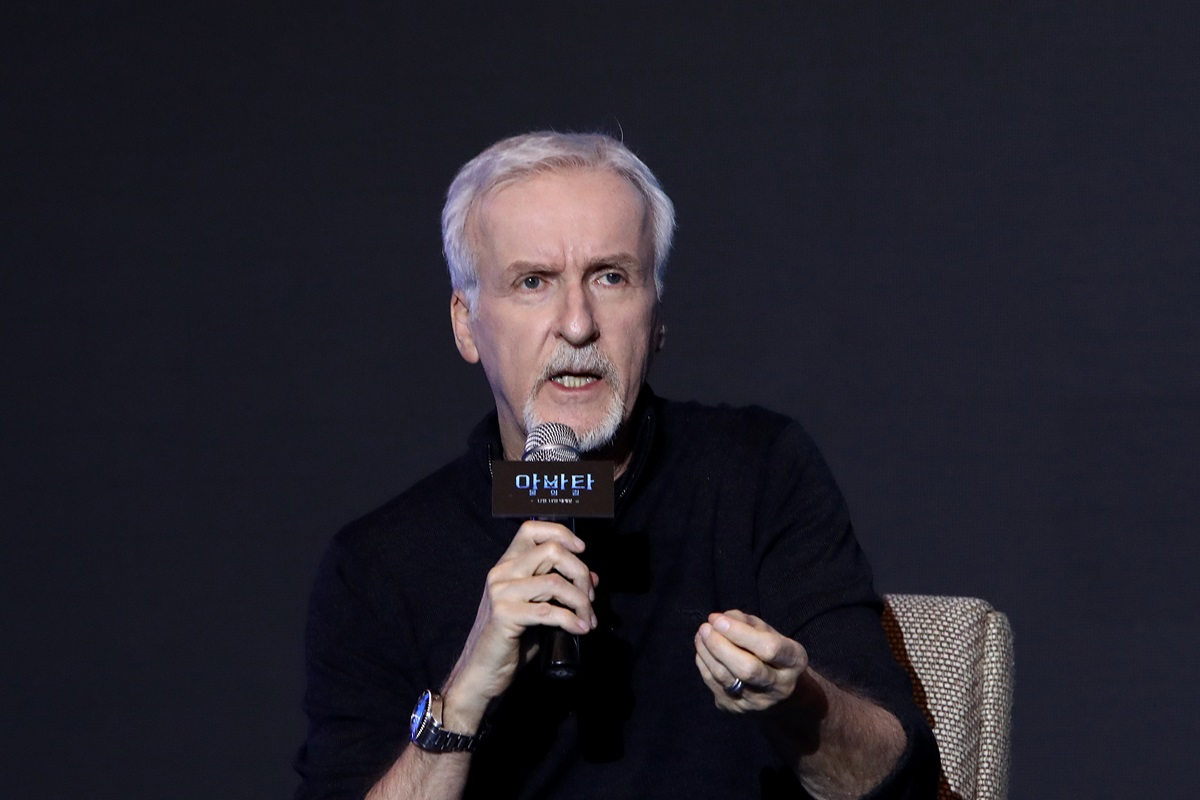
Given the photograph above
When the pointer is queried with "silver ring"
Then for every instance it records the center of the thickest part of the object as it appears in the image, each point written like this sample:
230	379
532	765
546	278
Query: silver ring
734	689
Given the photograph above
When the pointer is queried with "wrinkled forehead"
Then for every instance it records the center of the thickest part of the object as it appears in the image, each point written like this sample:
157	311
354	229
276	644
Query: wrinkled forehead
482	211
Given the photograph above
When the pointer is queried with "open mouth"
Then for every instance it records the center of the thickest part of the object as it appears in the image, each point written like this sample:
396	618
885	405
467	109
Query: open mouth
571	380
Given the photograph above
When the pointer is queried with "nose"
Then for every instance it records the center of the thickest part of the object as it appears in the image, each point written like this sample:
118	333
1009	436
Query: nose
577	317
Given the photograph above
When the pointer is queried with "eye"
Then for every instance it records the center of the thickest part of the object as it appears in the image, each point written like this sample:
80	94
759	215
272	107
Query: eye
531	282
612	278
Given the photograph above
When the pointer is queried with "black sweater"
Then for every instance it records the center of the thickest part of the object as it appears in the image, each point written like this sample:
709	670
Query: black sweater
721	508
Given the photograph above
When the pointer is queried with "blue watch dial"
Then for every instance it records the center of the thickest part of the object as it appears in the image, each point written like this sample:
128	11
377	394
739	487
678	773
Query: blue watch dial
419	712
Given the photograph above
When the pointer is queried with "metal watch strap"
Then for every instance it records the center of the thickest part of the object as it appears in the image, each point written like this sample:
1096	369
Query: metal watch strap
458	742
428	734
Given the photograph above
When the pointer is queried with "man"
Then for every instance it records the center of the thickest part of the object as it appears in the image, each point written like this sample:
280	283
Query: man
730	634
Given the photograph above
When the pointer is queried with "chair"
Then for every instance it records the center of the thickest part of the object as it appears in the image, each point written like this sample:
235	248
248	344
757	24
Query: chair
959	654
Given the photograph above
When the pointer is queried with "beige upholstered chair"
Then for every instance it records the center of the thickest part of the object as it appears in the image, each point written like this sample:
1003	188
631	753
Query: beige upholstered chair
959	653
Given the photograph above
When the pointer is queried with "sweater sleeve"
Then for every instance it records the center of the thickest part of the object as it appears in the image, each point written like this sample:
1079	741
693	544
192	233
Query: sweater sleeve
815	585
360	688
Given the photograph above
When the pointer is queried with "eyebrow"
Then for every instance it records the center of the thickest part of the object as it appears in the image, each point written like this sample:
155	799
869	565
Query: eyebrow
621	260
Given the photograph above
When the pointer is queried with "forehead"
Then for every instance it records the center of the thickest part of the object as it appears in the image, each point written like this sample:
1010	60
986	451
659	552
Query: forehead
593	209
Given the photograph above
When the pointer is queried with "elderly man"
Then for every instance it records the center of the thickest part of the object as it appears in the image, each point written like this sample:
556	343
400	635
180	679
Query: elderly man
730	633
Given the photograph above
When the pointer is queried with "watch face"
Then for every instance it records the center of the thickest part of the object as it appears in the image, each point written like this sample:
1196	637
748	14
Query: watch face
419	712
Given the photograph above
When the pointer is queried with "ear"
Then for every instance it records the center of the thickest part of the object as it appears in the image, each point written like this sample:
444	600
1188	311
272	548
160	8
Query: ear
660	338
460	323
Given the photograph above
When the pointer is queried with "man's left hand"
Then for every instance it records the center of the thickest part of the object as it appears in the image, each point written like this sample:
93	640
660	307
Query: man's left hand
735	646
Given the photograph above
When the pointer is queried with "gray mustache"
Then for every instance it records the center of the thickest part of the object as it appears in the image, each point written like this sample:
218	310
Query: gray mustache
579	360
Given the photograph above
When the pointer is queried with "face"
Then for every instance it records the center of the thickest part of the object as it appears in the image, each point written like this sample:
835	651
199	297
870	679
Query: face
566	315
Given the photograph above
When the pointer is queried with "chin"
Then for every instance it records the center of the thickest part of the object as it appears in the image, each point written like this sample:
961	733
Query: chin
600	436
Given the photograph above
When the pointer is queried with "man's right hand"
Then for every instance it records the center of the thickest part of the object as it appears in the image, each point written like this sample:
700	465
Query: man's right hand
539	580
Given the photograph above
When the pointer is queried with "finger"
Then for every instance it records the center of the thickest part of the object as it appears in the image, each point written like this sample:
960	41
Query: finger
760	639
742	616
719	679
523	615
734	660
554	588
710	680
552	557
539	550
721	674
534	532
548	589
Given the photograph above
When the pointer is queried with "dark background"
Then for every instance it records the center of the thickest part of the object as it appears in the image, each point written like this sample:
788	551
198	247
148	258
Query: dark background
959	241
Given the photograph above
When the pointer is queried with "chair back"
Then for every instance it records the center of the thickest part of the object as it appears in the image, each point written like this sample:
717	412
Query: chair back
959	654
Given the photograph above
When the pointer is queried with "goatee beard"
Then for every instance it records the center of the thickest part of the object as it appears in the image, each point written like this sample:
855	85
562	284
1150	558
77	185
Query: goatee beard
586	360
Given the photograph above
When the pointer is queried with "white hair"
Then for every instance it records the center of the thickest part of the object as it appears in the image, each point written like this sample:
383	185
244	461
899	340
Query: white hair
540	152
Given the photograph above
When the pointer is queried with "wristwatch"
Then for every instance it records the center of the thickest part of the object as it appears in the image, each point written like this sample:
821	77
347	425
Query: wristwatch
426	732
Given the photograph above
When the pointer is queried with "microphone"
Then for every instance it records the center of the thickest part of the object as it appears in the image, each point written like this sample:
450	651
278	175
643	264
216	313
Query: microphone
554	441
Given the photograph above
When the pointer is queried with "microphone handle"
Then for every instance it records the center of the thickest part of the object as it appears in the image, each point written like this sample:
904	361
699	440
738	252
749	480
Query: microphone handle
560	653
558	650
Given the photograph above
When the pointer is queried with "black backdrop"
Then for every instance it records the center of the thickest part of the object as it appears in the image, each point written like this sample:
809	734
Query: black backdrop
958	241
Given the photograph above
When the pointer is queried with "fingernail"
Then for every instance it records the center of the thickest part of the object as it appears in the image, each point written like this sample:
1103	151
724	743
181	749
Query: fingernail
595	622
721	624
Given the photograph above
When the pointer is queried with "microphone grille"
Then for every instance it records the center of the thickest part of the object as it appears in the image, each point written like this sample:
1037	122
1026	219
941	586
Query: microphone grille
551	441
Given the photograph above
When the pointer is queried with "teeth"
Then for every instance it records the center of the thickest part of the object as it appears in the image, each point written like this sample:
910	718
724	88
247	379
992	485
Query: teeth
573	381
